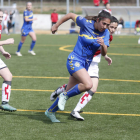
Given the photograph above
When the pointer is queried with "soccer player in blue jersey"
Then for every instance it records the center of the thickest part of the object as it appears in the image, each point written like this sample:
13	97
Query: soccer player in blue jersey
93	34
93	71
27	29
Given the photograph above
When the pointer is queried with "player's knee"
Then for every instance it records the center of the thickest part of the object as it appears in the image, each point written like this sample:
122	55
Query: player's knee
8	77
34	39
88	86
11	76
22	41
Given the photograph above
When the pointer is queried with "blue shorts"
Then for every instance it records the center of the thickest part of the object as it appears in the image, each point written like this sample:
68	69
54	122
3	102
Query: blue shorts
76	62
25	32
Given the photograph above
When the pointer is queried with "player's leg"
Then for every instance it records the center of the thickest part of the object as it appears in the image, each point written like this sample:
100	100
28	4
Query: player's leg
61	89
79	76
5	27
50	112
33	36
85	84
93	71
86	97
23	38
6	89
57	92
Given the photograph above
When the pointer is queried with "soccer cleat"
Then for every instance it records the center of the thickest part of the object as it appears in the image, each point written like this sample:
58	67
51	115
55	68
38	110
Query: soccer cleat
18	54
62	101
51	116
32	52
57	92
7	107
75	114
54	95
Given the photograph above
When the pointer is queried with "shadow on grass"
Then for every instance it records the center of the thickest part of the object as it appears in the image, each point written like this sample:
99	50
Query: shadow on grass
39	116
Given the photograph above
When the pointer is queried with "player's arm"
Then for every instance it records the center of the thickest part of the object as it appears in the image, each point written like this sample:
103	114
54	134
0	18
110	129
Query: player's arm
62	20
27	19
7	42
108	59
4	53
103	49
103	46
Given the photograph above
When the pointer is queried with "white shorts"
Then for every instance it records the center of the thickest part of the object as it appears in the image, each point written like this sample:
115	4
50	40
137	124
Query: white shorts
2	64
5	23
93	70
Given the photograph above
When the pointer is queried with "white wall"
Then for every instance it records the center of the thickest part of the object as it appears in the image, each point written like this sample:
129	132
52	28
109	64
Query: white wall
43	22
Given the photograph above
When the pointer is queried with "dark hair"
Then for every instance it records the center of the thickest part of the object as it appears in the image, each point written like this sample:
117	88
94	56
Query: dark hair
114	19
106	4
103	14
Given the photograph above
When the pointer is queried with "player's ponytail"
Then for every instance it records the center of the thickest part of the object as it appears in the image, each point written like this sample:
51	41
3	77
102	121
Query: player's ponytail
91	18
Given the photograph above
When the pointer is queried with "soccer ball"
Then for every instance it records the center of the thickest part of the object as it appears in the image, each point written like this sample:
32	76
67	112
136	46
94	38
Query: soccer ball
139	41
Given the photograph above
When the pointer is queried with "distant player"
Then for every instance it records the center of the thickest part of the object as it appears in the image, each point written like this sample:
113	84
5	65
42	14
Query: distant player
94	74
27	29
5	73
54	17
6	19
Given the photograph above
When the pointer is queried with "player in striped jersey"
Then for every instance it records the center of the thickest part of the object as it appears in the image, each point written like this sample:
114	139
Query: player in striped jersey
94	74
5	73
6	19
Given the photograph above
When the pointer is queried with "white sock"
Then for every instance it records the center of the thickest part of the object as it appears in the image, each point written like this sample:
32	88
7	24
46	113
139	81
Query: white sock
83	101
6	30
6	91
61	89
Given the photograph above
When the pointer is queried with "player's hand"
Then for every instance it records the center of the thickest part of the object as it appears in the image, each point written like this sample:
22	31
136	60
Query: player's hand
100	41
7	55
108	59
10	41
54	29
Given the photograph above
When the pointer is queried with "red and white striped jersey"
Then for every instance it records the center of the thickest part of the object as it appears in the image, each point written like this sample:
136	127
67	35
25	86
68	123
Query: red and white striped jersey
5	17
97	55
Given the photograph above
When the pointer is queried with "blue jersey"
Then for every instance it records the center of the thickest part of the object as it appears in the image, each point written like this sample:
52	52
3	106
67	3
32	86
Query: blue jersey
87	45
27	25
29	15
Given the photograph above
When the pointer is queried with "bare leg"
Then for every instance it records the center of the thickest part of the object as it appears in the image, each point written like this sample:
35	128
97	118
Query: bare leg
6	90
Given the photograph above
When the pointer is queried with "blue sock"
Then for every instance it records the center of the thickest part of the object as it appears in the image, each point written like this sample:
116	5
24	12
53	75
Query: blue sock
73	91
19	46
54	106
32	45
